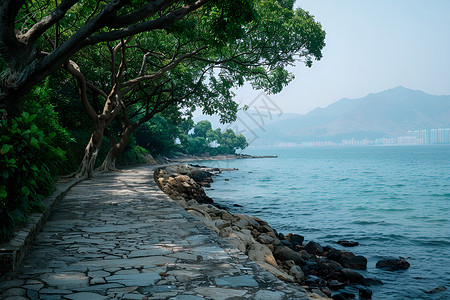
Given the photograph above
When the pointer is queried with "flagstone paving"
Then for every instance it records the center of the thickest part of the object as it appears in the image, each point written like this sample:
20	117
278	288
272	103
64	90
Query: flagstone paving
118	236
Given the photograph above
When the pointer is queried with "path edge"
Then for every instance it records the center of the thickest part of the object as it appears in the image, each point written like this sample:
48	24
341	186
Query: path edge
13	251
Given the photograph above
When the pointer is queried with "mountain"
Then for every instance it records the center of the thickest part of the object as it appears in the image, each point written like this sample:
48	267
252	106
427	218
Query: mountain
390	113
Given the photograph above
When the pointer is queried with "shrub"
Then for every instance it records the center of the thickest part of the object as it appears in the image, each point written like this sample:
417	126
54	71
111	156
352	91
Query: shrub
26	156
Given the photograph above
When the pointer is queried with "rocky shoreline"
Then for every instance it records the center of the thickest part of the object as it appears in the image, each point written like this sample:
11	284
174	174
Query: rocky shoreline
187	158
322	270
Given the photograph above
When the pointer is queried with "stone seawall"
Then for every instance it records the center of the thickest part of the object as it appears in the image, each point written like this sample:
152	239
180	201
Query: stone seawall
323	271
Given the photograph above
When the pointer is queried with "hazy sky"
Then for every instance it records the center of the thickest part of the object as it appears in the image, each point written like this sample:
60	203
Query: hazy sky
371	46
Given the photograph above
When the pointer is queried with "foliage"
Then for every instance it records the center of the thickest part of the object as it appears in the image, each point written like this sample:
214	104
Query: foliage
206	140
26	157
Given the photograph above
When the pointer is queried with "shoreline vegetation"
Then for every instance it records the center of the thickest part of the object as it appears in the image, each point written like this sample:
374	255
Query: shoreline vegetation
322	270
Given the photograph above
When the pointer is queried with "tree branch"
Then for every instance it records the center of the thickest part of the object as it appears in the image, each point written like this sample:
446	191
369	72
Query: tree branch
159	23
162	71
74	69
39	28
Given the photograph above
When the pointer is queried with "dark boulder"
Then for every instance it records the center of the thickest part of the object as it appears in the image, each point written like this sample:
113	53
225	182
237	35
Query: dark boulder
348	243
334	254
393	264
284	253
348	295
287	244
349	260
312	280
437	290
365	293
335	285
352	275
338	297
314	248
295	239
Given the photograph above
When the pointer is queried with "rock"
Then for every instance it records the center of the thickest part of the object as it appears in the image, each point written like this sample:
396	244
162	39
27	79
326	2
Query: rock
319	293
348	295
371	281
349	260
250	220
365	293
393	264
295	239
237	243
326	291
260	252
277	273
288	244
352	275
437	290
338	297
306	256
225	232
314	248
347	243
221	224
298	274
285	253
335	285
334	254
265	239
329	265
312	280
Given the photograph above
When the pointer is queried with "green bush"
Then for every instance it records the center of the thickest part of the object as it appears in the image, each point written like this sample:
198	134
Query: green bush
26	157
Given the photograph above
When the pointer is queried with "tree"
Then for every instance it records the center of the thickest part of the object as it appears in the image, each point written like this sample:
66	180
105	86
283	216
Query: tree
201	128
38	37
258	51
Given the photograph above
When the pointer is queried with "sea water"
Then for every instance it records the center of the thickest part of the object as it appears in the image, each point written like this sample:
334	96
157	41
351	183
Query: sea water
394	201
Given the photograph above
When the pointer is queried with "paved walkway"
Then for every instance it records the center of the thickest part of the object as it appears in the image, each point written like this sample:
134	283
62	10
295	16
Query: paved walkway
118	236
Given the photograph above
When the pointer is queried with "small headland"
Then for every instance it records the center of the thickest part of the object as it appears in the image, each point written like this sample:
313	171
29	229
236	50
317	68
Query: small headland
187	157
323	270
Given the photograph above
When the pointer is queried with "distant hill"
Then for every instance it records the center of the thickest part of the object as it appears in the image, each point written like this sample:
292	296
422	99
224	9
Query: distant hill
389	113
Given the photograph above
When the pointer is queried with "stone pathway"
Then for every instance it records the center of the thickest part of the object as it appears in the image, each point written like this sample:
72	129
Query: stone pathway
118	236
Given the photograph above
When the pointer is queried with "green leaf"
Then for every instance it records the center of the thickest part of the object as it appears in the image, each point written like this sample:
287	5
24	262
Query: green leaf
5	149
25	191
34	143
3	192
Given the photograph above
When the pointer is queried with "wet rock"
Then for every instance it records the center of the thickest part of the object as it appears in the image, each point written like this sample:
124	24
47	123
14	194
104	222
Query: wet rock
314	248
338	297
437	290
298	274
329	265
312	280
285	253
326	291
334	254
312	265
295	239
348	295
393	264
352	275
365	293
371	281
287	244
349	260
306	256
335	285
347	243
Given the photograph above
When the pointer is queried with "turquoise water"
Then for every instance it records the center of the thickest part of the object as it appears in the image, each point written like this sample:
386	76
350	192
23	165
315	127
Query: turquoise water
395	201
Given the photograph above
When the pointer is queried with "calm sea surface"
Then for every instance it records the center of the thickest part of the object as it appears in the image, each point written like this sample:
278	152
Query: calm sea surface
395	201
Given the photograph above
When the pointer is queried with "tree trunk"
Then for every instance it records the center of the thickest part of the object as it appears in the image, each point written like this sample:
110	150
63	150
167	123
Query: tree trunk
109	164
90	155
